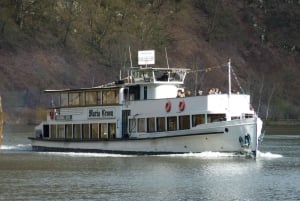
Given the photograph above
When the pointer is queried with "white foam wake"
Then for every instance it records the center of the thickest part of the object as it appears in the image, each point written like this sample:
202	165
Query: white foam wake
268	155
206	154
18	147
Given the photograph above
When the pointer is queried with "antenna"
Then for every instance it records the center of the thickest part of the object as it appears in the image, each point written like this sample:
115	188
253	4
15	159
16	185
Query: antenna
130	56
167	57
228	116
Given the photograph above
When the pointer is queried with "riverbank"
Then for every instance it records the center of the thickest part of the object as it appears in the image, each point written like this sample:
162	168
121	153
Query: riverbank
280	127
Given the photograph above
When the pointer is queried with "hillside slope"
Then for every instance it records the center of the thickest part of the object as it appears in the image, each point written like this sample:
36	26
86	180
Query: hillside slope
74	43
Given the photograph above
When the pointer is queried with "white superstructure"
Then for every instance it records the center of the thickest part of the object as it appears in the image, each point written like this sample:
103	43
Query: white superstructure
148	113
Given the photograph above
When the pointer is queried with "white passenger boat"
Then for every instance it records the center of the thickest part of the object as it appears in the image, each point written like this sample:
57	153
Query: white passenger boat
147	113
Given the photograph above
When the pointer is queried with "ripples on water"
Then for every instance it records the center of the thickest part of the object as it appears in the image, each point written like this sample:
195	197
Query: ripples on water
27	175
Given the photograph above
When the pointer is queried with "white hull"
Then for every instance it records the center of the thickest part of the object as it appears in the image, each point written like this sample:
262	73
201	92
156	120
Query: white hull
219	137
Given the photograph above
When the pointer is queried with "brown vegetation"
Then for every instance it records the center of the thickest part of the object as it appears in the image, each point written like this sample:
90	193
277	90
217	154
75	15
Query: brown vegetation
82	43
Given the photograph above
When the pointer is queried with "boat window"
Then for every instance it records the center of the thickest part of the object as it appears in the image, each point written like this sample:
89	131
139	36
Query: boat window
112	130
110	97
198	119
85	131
94	131
104	132
46	130
74	99
68	129
248	115
76	131
145	92
91	98
64	100
61	131
132	125
151	124
99	98
141	125
215	117
172	123
134	92
53	131
81	98
184	122
160	123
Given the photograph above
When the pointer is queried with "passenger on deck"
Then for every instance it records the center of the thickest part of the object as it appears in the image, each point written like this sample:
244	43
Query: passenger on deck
180	94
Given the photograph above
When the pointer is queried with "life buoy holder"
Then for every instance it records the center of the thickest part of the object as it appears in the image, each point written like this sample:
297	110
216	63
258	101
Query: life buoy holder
168	106
181	105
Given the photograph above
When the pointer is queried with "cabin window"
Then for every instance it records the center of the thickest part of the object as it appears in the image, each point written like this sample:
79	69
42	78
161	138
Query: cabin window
94	131
81	99
248	115
61	131
74	99
53	131
46	130
112	130
99	98
77	131
64	100
198	119
160	123
172	123
104	131
132	125
110	97
68	129
150	124
184	122
141	125
145	92
215	117
91	98
85	131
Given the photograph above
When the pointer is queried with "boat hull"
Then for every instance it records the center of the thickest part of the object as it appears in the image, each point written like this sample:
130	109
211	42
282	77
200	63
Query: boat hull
226	136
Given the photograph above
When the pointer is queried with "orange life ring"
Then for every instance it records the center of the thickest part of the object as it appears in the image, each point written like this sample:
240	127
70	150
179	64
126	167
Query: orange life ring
181	105
168	106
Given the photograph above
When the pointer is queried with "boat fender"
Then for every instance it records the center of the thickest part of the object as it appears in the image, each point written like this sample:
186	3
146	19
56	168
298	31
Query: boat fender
181	105
168	106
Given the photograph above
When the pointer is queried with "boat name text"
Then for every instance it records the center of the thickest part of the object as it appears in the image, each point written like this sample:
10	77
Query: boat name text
101	113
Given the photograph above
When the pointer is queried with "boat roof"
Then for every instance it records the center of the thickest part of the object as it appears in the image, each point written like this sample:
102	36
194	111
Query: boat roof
135	73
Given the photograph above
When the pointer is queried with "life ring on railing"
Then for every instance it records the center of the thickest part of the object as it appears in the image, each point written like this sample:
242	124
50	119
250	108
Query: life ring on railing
168	106
181	105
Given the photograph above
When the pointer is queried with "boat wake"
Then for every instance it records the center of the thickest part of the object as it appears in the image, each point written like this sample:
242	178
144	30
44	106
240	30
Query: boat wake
268	155
18	147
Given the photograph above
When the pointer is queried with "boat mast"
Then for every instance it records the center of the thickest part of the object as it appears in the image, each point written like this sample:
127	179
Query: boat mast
229	90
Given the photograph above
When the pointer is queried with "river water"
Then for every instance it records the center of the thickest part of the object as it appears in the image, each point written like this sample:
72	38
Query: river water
27	175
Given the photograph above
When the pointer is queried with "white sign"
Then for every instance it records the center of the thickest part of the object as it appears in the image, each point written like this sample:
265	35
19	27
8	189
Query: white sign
146	57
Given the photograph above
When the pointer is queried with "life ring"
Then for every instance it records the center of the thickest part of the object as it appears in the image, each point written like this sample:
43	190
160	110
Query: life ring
181	105
168	106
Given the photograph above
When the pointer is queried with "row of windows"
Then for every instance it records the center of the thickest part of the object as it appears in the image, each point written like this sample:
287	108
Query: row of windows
80	131
172	123
82	98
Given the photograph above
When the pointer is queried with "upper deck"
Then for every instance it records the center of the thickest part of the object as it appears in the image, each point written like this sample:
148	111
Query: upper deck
149	75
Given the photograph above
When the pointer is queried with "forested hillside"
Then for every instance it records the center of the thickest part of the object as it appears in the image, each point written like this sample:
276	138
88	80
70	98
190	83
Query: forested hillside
83	43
